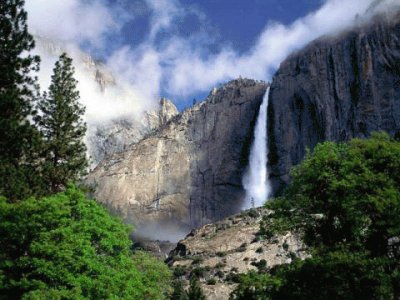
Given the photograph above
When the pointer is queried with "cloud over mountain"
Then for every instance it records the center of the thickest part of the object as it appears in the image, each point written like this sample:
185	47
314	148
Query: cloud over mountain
165	62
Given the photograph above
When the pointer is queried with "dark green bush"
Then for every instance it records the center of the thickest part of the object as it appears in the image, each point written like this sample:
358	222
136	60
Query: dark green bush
197	260
212	281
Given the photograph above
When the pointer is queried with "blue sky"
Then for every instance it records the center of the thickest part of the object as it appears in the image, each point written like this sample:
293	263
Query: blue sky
181	49
231	22
240	22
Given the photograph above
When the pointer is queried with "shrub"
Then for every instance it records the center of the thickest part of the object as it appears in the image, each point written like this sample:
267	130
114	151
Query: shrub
212	281
220	274
197	260
242	247
198	272
232	277
285	246
179	271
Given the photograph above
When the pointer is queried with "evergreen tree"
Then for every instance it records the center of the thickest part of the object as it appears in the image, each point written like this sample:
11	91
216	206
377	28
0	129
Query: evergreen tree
18	89
195	292
63	129
178	292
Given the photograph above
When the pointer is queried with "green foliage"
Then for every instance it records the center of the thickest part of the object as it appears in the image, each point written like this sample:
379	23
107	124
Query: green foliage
34	163
197	260
338	274
345	202
61	124
282	219
346	193
155	275
232	278
342	193
220	274
19	139
198	272
212	281
257	287
179	271
66	246
260	265
195	292
178	292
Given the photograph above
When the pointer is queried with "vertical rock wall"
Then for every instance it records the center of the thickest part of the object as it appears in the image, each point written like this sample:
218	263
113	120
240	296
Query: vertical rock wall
335	89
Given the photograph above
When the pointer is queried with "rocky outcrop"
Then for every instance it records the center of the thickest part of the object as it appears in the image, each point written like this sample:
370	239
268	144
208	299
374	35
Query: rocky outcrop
189	171
106	139
335	89
217	253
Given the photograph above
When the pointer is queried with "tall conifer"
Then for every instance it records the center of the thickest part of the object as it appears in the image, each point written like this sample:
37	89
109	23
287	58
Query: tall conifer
60	121
18	89
195	292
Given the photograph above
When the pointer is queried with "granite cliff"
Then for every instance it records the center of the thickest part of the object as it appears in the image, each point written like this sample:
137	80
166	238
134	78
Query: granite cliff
103	140
335	89
189	171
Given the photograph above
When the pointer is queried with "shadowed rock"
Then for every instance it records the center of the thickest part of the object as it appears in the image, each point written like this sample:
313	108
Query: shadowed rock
337	88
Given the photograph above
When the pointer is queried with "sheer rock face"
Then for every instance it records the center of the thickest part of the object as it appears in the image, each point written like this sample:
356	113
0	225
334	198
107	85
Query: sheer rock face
189	171
335	89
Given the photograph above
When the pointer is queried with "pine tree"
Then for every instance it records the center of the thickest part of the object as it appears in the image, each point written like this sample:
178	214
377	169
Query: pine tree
60	121
195	292
18	90
178	292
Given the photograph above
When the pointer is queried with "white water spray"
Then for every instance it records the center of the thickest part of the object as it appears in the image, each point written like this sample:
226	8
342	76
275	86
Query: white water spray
255	181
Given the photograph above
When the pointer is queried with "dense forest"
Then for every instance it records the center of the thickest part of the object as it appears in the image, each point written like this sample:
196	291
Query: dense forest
56	243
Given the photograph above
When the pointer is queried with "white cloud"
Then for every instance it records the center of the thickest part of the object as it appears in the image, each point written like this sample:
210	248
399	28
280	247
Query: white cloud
119	98
75	21
61	26
163	13
141	67
164	61
188	72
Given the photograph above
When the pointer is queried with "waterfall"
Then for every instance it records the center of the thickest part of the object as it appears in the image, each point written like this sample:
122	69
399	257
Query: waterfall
255	180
